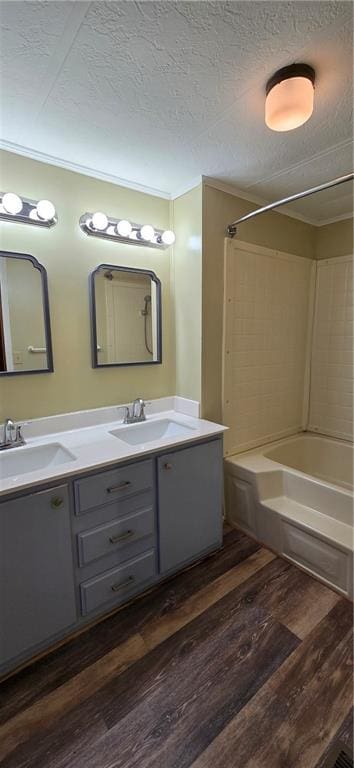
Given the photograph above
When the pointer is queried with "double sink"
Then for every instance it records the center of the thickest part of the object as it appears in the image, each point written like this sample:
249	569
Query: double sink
18	461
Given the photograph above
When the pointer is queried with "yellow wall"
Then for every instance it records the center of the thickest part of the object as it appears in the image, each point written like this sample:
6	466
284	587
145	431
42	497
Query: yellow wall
273	230
69	256
334	239
187	288
192	285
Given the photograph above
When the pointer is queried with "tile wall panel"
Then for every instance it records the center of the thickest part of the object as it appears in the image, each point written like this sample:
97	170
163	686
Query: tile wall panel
266	321
331	388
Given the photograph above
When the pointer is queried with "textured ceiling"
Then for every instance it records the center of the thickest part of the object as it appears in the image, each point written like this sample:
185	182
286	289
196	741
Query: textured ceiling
159	93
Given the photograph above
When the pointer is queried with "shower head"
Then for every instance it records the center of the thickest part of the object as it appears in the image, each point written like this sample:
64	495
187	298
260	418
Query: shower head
147	301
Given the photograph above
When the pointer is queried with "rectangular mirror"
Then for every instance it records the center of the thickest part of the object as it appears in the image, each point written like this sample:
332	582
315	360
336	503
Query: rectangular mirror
25	338
125	316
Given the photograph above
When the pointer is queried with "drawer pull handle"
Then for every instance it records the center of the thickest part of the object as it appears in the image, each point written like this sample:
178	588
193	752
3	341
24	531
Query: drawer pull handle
56	502
121	537
123	584
119	487
167	466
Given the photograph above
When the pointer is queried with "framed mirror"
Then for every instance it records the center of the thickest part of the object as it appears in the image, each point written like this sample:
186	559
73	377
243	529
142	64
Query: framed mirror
25	337
125	316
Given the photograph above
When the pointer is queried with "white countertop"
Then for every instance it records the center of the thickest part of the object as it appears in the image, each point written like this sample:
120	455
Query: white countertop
95	448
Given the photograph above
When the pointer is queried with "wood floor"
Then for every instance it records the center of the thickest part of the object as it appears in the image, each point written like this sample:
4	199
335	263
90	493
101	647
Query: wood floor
241	661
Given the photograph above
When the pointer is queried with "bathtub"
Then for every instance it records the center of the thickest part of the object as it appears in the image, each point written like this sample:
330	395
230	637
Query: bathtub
296	496
322	457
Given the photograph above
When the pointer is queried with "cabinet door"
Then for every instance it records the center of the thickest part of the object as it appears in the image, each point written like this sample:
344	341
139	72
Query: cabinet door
190	503
37	595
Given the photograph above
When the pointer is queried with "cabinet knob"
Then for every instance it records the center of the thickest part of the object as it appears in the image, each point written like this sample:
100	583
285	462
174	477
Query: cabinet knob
56	502
167	466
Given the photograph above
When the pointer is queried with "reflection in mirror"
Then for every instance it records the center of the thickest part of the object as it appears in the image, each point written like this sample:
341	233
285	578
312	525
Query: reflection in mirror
25	341
125	316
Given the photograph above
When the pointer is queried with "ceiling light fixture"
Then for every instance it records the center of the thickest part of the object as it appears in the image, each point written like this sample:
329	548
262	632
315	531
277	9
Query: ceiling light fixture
124	231
25	211
289	97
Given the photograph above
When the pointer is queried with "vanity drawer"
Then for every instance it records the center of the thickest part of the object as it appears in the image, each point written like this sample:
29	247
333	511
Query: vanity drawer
115	535
106	487
118	584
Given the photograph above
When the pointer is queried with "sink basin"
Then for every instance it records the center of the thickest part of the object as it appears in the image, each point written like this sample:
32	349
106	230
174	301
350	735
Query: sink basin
19	461
148	431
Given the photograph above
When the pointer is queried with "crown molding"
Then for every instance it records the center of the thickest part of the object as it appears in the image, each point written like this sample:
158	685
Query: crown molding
179	191
334	148
335	219
222	186
231	189
250	198
67	165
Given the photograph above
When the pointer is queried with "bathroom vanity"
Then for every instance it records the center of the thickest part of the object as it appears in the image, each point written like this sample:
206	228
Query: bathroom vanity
78	542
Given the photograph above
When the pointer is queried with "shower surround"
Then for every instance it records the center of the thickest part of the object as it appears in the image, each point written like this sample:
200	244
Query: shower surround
288	373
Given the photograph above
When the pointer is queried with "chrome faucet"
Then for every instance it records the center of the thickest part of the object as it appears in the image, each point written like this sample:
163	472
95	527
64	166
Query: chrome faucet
11	440
137	412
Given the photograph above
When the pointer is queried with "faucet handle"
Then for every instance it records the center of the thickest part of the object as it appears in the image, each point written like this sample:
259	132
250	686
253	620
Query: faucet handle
19	436
126	413
139	403
10	427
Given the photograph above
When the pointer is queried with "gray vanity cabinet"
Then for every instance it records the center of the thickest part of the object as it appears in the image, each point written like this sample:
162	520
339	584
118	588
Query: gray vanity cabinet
37	594
190	488
128	527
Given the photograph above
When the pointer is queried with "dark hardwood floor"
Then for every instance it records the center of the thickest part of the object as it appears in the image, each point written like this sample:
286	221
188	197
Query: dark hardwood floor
241	661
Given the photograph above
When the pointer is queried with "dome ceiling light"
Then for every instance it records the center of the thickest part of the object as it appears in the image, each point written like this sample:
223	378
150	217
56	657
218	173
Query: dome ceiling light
289	97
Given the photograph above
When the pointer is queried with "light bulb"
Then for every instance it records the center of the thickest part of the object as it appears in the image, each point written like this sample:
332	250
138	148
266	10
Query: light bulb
12	203
33	214
99	220
124	228
45	210
168	237
147	232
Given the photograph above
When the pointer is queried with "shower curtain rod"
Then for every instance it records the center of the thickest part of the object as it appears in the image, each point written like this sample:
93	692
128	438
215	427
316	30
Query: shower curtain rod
232	228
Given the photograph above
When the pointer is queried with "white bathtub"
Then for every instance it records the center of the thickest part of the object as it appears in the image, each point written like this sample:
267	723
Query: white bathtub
322	457
295	495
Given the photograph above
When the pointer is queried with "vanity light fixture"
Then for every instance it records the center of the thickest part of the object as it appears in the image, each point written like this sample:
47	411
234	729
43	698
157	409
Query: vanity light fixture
289	97
14	208
123	231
